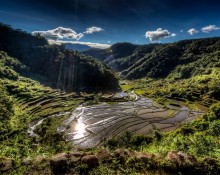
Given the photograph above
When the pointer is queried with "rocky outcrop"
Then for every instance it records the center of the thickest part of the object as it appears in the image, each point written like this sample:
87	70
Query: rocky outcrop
181	158
144	157
59	160
64	163
6	164
39	159
90	160
104	155
121	155
74	158
211	164
27	161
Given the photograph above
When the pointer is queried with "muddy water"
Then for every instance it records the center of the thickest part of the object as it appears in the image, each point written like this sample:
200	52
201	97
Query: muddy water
88	126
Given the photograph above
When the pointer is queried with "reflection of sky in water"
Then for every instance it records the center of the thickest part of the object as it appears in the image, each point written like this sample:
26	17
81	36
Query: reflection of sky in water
91	124
120	95
79	129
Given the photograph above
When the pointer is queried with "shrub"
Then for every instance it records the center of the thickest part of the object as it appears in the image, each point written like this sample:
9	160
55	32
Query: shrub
138	140
214	128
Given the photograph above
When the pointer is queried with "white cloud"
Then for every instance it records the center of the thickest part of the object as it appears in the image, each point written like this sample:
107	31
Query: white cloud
158	34
93	29
93	45
209	28
192	31
181	31
60	33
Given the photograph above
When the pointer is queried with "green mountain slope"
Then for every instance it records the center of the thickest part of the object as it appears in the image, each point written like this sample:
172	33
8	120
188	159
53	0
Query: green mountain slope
55	65
116	51
188	71
23	101
184	58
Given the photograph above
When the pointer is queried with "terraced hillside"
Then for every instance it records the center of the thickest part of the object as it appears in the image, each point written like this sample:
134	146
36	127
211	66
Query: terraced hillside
37	122
25	102
89	126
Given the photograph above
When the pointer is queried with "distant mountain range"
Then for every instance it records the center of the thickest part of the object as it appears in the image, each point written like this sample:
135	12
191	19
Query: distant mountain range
77	47
184	58
117	50
54	65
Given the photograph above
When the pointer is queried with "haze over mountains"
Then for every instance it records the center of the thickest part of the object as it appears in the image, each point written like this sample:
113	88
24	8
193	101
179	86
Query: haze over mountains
160	60
96	87
54	65
47	87
70	70
77	47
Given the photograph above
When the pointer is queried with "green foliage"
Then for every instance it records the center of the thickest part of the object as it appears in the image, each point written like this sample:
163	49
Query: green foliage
6	110
59	68
23	101
9	66
120	50
183	70
129	140
214	128
115	52
8	73
157	135
200	137
214	88
139	140
203	88
178	60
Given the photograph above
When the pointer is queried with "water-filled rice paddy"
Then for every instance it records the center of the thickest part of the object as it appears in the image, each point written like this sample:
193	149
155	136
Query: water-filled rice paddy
89	126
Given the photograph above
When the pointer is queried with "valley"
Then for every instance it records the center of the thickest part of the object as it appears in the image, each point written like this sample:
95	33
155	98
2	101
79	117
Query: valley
148	109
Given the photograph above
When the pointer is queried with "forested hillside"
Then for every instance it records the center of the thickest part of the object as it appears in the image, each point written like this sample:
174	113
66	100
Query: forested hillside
116	51
24	101
54	65
184	58
183	73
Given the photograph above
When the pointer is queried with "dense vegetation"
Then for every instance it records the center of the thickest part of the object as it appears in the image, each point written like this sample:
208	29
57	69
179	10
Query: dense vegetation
116	51
188	71
54	65
185	58
23	101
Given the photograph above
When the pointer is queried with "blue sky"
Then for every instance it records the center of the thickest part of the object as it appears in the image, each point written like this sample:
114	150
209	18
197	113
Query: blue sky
111	21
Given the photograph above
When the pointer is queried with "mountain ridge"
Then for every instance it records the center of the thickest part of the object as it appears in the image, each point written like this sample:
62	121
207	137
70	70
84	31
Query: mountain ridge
160	60
61	68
